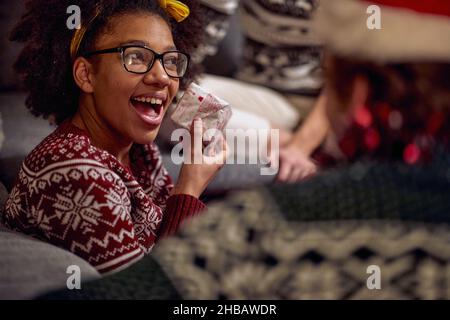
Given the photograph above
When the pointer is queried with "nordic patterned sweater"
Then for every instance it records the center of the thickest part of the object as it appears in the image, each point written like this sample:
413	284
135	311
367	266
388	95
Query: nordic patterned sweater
81	198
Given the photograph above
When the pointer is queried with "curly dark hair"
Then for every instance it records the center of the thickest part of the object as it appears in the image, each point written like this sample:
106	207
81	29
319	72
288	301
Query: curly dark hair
45	64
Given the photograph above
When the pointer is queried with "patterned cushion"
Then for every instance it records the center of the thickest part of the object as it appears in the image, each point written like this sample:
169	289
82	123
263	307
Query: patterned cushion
216	15
280	48
317	240
285	242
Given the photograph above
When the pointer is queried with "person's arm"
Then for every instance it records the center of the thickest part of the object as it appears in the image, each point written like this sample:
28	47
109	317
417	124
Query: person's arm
180	207
312	133
295	162
192	181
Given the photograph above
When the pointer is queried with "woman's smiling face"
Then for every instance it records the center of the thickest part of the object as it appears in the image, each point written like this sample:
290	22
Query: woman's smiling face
120	98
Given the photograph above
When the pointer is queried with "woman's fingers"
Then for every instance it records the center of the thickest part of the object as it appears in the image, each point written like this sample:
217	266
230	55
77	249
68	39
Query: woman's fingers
197	140
222	156
217	150
225	149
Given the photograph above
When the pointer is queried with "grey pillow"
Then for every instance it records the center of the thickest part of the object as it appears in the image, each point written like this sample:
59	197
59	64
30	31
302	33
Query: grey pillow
23	132
29	267
221	37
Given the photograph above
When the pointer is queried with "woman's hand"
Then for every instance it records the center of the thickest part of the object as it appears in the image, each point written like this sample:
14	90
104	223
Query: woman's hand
295	164
201	168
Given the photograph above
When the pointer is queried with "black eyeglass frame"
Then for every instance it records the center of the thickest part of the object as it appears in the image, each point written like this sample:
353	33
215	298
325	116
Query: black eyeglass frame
156	56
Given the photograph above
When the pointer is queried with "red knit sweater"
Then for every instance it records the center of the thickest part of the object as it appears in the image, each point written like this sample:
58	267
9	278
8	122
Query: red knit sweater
81	198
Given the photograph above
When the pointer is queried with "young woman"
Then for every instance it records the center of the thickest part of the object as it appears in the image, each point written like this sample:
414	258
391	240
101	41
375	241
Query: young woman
96	186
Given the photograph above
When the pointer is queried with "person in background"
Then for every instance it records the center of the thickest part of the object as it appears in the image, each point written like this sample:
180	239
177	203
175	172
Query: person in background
280	53
387	200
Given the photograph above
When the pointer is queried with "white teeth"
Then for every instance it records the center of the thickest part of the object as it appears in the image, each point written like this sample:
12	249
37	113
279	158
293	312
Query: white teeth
148	100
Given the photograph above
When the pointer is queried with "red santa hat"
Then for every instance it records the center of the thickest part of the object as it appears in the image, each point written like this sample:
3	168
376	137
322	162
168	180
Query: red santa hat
411	30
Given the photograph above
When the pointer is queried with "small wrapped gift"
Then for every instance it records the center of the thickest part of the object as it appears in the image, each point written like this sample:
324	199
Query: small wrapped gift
213	111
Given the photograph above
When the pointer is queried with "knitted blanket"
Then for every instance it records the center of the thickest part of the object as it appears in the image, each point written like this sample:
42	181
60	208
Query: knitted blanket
320	239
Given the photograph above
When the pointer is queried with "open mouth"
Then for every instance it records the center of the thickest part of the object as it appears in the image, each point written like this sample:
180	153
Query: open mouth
149	109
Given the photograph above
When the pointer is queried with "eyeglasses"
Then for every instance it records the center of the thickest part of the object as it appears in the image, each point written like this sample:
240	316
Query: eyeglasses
140	59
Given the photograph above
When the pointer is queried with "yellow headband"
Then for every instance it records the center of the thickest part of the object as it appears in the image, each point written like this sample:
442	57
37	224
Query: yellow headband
79	34
178	10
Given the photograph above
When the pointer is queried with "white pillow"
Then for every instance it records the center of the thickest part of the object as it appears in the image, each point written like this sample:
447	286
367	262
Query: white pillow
257	100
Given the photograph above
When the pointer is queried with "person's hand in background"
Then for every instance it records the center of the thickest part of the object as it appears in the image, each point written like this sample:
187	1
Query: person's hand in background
295	164
295	161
